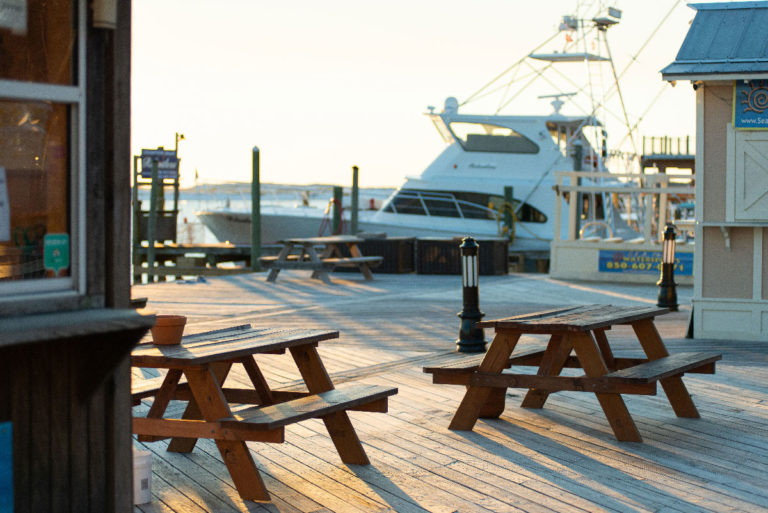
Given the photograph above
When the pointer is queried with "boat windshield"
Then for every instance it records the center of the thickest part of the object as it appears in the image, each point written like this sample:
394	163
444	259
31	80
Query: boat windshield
466	205
486	137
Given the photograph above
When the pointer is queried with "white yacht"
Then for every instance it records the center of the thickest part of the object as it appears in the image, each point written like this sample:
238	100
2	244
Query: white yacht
462	192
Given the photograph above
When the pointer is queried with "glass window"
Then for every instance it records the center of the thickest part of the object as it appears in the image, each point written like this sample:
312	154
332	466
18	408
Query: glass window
34	189
407	203
40	120
445	207
38	41
471	205
484	137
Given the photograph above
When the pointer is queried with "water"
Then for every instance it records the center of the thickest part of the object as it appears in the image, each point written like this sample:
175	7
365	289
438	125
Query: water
238	197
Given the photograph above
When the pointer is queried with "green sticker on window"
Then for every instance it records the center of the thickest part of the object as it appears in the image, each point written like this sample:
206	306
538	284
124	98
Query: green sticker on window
56	252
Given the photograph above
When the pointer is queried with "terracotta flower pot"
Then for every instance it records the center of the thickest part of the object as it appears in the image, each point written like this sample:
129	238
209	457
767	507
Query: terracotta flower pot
168	329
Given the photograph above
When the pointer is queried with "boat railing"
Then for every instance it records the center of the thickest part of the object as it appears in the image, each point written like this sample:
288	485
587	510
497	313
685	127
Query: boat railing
644	202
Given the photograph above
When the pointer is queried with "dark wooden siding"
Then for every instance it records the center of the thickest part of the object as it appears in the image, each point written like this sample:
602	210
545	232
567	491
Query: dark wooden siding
71	423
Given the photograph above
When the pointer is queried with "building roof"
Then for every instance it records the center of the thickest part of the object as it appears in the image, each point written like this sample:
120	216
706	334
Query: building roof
726	41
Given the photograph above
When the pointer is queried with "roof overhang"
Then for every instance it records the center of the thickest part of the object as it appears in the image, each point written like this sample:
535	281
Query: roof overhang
726	41
712	77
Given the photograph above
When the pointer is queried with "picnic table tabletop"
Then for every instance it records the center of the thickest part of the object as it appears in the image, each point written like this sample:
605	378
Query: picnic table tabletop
231	343
574	318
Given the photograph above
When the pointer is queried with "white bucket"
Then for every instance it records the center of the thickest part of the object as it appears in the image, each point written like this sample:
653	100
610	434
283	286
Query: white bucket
142	476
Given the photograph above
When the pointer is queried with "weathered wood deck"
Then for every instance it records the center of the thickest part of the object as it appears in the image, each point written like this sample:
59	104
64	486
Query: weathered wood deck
563	458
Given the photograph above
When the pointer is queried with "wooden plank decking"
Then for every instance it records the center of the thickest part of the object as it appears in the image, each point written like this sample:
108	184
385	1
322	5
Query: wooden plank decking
562	458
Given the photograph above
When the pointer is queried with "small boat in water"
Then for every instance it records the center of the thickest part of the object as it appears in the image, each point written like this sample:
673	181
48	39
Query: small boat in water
462	192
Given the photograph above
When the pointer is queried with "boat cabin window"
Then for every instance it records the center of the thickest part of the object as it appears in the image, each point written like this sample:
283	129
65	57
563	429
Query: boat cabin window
467	205
405	203
442	205
485	137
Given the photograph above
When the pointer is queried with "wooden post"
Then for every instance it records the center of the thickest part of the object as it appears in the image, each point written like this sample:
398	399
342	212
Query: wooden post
255	213
152	224
136	237
509	217
337	216
574	208
354	200
558	209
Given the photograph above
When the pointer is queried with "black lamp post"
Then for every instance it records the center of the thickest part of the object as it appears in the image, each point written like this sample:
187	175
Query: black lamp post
667	285
471	339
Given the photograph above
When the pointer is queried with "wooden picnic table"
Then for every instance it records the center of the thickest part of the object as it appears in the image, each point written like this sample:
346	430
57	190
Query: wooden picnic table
579	329
320	262
261	413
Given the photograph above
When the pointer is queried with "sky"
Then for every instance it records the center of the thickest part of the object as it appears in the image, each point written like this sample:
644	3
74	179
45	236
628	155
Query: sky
320	87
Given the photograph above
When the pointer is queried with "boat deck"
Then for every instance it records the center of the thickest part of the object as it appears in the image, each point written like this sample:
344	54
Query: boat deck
563	458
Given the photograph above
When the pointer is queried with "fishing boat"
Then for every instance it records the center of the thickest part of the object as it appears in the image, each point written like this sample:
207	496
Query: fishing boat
462	192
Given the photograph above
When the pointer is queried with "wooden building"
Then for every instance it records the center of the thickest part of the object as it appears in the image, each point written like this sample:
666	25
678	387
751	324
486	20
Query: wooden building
725	56
66	327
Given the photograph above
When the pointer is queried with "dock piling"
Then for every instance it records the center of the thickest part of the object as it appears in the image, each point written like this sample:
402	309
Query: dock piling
152	224
354	201
255	212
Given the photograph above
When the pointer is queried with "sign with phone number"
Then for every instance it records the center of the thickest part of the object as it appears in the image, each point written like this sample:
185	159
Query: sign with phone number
642	262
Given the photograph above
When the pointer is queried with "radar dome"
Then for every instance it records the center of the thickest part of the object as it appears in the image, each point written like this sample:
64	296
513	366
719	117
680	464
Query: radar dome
451	105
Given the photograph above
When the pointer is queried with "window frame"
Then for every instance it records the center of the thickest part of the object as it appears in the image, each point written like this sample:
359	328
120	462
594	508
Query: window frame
74	97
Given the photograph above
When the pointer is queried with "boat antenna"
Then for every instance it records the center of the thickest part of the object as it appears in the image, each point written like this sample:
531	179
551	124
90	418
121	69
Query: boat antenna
557	103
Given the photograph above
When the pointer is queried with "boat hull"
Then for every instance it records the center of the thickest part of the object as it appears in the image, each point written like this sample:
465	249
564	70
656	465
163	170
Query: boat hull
235	227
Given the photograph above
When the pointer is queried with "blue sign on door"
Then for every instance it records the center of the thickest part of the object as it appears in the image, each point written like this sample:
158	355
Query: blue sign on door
750	104
6	468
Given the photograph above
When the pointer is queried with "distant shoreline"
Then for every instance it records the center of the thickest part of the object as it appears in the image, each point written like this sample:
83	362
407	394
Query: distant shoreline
241	187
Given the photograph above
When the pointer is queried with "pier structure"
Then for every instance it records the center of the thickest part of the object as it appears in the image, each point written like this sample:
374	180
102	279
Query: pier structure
561	458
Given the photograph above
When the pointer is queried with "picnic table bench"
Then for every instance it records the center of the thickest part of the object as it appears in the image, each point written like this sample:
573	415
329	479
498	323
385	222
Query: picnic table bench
579	329
323	262
232	416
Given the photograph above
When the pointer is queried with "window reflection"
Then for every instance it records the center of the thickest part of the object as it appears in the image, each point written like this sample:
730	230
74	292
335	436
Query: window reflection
37	41
33	196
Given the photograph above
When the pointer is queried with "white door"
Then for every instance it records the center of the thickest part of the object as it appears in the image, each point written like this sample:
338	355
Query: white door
749	196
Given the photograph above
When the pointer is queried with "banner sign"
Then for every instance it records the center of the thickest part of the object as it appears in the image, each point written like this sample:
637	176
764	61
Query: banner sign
167	163
750	104
642	262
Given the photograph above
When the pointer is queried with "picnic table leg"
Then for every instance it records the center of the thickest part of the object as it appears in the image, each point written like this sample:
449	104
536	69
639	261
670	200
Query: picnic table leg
476	397
206	389
192	411
552	363
321	274
495	403
654	348
162	398
355	252
281	257
613	405
338	424
605	349
258	380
